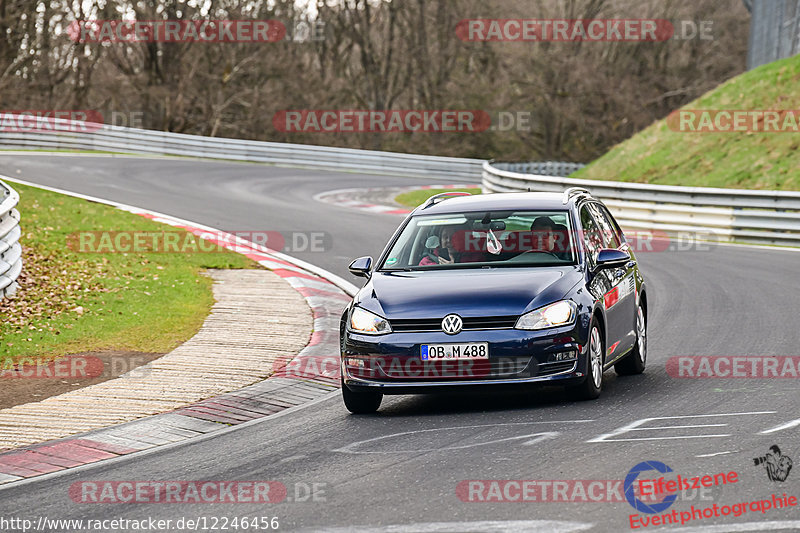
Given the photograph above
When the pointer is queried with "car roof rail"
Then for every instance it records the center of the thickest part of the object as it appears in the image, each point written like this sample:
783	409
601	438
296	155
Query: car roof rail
436	198
575	191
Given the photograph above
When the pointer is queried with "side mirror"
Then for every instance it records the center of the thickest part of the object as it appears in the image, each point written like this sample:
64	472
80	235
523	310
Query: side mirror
611	258
361	267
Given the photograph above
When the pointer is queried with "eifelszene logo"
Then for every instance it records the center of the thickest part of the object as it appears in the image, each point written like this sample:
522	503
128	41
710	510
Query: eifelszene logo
630	483
775	463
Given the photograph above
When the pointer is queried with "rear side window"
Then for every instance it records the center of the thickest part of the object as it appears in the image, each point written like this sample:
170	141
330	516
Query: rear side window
592	238
608	229
613	223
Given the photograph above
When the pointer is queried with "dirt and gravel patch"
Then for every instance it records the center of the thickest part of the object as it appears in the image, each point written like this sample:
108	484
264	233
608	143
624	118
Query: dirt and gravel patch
20	384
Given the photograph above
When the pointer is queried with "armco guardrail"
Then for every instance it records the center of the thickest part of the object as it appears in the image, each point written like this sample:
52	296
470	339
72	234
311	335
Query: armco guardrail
10	249
724	214
109	138
763	217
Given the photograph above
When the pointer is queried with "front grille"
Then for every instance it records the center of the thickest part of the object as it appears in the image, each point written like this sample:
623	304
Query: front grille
435	324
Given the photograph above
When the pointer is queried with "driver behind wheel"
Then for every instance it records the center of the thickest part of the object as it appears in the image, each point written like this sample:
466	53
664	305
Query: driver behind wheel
544	233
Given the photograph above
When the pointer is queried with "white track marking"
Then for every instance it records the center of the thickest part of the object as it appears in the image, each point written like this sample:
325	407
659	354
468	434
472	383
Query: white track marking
721	435
635	426
538	437
486	526
92	154
787	425
135	456
343	284
680	427
541	437
713	454
775	525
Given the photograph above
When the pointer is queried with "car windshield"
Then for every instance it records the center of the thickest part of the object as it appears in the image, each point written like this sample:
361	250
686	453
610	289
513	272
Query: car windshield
480	239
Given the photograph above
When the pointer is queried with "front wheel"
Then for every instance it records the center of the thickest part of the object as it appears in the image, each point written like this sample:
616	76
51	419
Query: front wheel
361	403
635	362
591	387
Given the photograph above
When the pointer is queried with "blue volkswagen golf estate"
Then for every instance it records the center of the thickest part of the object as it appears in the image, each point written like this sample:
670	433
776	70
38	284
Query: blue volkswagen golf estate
495	290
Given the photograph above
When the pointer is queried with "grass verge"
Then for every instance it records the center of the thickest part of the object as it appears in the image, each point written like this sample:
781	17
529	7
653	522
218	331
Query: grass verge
73	302
414	198
749	160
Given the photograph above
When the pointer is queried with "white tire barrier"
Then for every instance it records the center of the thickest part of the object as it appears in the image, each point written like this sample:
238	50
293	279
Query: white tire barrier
10	249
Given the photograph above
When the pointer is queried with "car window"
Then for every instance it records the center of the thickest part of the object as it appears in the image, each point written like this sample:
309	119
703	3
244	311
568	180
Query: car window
479	239
613	223
592	237
607	228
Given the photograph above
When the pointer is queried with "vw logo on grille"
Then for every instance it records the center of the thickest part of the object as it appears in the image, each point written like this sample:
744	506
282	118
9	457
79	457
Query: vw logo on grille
452	324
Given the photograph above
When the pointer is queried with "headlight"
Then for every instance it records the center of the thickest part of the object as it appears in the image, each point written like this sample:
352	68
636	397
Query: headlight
557	314
362	321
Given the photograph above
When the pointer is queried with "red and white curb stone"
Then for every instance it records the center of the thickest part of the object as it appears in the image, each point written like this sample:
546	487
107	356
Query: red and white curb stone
354	198
311	374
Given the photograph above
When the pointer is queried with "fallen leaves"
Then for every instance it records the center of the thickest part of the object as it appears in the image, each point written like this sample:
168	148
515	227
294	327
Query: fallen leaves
51	284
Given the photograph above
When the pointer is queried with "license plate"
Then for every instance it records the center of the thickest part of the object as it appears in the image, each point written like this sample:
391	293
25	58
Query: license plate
463	350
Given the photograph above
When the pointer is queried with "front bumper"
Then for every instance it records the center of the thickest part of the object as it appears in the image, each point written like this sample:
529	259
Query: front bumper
392	363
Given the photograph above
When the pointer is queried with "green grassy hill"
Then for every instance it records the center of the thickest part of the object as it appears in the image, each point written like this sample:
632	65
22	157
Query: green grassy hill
747	160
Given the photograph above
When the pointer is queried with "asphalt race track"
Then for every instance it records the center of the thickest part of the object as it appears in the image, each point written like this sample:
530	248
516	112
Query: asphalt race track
399	470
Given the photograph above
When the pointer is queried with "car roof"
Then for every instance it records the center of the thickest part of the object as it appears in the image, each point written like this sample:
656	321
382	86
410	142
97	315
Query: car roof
498	202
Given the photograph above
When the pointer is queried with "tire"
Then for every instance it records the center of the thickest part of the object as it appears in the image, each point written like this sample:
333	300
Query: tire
635	362
361	403
591	387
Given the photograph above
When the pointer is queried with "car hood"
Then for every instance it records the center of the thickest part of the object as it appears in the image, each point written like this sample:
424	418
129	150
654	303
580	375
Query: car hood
468	292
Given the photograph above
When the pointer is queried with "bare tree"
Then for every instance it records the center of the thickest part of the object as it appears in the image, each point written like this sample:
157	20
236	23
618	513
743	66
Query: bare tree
376	55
